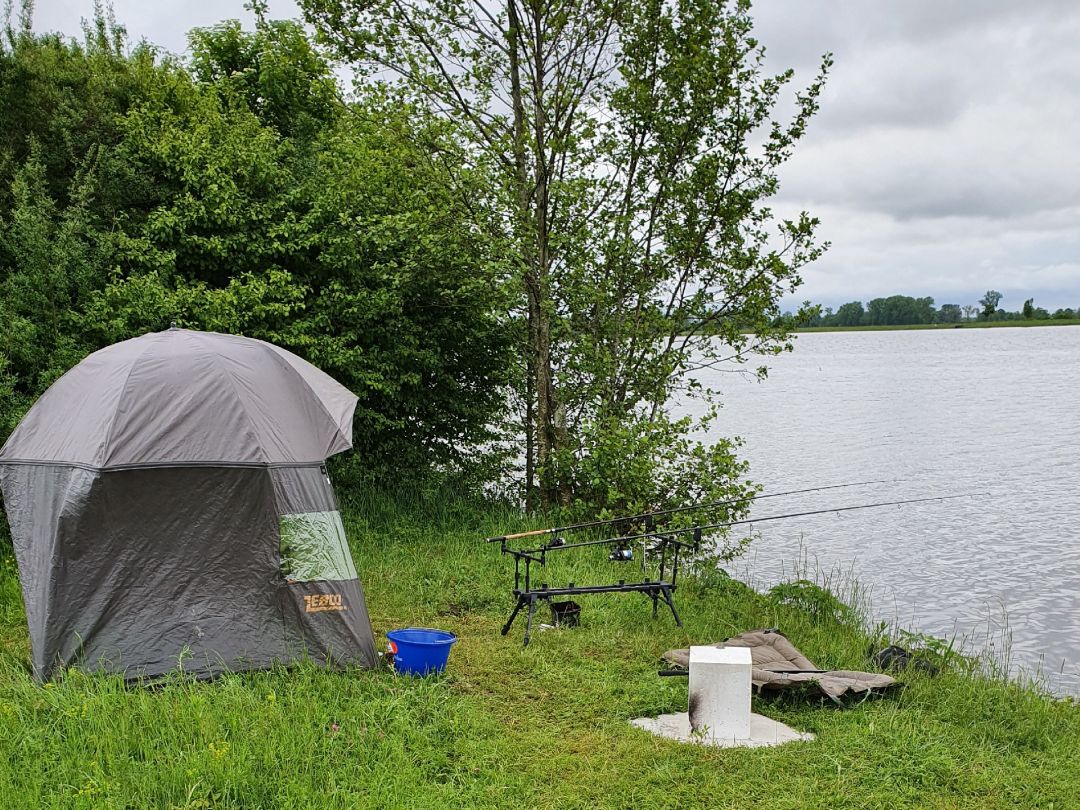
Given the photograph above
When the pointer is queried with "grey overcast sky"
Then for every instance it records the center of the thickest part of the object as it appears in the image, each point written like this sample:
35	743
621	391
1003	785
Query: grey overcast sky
945	160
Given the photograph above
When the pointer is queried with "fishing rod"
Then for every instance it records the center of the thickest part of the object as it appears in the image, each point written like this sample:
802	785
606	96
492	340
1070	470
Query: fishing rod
712	504
629	538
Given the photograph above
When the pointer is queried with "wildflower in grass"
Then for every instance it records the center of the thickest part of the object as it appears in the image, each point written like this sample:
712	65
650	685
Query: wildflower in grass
219	749
90	788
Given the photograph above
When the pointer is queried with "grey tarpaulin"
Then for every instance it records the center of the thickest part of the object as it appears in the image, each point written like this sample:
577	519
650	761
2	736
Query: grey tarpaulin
169	504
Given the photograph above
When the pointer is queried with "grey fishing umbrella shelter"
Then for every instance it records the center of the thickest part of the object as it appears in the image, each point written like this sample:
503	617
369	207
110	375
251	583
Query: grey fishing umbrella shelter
169	504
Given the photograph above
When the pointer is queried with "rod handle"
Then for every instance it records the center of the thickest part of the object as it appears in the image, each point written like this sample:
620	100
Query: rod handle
533	533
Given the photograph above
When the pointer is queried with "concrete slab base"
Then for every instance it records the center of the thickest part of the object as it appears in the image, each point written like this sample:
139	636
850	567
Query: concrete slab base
763	731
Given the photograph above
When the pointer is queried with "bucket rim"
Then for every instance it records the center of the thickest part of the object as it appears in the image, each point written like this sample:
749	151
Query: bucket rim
449	638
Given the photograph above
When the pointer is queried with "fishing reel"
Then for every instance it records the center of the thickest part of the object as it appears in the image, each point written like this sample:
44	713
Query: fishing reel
621	553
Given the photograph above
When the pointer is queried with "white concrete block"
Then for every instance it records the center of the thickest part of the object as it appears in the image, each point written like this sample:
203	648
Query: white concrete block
720	692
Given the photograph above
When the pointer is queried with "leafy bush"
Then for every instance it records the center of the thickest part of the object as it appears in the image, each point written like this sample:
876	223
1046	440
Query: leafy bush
241	195
815	601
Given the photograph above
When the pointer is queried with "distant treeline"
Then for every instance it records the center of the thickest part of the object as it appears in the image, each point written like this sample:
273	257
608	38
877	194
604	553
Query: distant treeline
903	310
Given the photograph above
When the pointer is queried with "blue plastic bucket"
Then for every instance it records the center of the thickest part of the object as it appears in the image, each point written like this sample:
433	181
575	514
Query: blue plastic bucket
419	650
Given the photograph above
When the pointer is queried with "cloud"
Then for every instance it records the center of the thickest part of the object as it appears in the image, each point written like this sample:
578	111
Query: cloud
952	259
164	23
943	160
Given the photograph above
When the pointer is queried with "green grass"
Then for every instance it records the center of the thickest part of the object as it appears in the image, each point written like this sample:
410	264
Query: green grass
543	726
964	325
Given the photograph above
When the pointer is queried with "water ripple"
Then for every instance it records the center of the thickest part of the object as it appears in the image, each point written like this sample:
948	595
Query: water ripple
986	410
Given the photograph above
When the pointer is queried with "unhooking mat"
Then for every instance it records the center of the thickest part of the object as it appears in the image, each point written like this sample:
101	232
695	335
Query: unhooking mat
778	664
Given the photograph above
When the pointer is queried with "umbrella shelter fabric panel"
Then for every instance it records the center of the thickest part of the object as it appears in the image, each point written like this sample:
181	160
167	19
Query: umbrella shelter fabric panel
184	397
313	544
41	501
143	571
154	567
328	623
324	594
149	491
313	547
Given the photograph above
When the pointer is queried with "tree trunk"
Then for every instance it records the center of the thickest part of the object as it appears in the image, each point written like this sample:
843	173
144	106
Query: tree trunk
523	237
542	439
547	444
550	438
530	434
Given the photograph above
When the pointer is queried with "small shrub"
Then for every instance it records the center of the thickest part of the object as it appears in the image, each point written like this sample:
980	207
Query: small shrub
815	601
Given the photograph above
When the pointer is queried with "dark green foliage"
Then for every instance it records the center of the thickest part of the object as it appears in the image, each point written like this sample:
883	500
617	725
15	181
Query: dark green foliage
1032	312
634	149
68	98
815	601
989	304
903	310
61	109
276	73
241	194
850	314
900	309
49	261
634	465
950	313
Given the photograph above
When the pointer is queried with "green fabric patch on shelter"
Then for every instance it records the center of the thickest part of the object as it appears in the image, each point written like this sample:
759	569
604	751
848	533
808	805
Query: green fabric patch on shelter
313	547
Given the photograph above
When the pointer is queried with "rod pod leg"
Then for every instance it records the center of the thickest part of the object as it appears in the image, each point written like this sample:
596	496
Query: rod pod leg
671	604
528	620
509	622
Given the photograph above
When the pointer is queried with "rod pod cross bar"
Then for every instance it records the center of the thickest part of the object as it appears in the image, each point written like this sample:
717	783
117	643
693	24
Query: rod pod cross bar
666	535
712	504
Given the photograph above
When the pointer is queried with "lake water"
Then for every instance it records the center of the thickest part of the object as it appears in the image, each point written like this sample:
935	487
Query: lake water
944	412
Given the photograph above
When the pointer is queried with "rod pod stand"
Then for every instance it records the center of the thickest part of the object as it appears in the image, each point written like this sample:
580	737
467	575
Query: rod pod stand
665	540
668	545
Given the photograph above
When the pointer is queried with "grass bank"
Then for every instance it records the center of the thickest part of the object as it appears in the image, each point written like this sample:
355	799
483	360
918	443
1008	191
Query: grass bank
544	726
964	325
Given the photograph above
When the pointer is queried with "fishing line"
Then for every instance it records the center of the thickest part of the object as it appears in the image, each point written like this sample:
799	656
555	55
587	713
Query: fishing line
710	505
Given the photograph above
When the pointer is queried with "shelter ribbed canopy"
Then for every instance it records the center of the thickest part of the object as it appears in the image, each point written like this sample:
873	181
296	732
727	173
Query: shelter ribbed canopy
185	397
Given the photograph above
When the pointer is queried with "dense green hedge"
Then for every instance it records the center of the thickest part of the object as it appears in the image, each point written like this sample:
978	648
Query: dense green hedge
237	192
